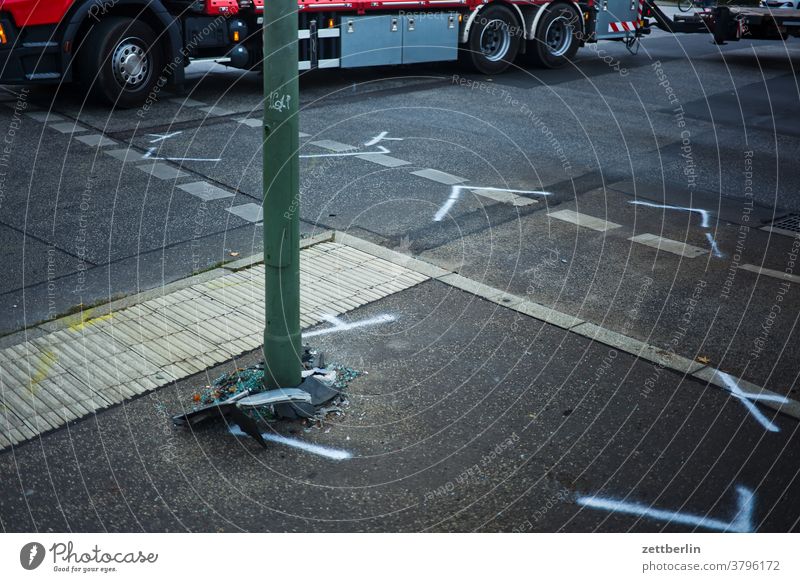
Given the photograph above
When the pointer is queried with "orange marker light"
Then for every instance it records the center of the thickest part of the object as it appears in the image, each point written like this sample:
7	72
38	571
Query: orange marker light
3	38
330	23
235	36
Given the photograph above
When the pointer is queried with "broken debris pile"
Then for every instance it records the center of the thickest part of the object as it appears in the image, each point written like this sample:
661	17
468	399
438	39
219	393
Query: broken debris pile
240	398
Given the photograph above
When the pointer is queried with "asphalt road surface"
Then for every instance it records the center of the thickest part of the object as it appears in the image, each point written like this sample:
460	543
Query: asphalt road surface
534	182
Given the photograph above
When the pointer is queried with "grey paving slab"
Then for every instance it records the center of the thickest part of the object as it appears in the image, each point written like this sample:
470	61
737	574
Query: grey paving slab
439	176
205	191
67	127
333	146
250	212
126	155
217	110
162	171
95	140
384	160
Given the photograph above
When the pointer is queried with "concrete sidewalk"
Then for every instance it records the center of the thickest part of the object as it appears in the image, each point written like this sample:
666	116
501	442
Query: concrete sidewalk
65	370
76	366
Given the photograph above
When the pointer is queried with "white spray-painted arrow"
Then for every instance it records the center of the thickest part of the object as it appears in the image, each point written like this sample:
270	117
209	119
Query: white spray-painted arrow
746	399
161	137
714	247
455	194
700	211
382	137
340	325
335	454
742	520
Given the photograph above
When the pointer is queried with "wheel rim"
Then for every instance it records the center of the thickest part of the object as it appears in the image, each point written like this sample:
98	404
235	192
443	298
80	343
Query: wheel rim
558	37
495	40
131	63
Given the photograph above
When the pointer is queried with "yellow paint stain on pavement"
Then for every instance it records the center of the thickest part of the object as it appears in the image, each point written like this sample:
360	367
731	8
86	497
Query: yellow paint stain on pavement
87	321
41	365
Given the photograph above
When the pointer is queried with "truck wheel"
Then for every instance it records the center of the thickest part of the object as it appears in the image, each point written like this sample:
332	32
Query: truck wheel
121	61
494	39
556	40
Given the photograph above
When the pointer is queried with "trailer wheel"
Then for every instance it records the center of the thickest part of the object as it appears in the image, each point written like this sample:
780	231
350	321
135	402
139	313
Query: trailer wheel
494	40
121	61
556	40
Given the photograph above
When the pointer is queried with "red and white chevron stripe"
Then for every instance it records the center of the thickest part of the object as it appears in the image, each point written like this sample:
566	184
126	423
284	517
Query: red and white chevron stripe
624	26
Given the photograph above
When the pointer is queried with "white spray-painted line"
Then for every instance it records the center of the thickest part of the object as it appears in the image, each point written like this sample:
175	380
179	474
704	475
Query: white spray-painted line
714	247
746	398
340	325
770	273
381	137
742	520
700	211
148	155
161	137
335	454
382	149
455	194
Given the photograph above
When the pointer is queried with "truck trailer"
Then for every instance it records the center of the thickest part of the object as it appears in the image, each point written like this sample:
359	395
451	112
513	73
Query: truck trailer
123	49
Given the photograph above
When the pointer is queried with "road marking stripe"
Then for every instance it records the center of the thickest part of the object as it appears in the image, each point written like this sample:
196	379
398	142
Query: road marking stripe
504	196
95	140
668	245
162	171
42	116
251	212
217	111
125	156
251	122
205	191
333	146
584	220
770	273
439	176
384	160
67	127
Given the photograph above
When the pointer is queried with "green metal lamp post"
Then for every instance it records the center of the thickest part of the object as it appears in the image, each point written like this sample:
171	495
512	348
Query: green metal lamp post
282	341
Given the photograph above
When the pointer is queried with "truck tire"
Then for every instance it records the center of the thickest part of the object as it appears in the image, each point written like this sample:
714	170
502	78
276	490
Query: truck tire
557	37
494	40
121	61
